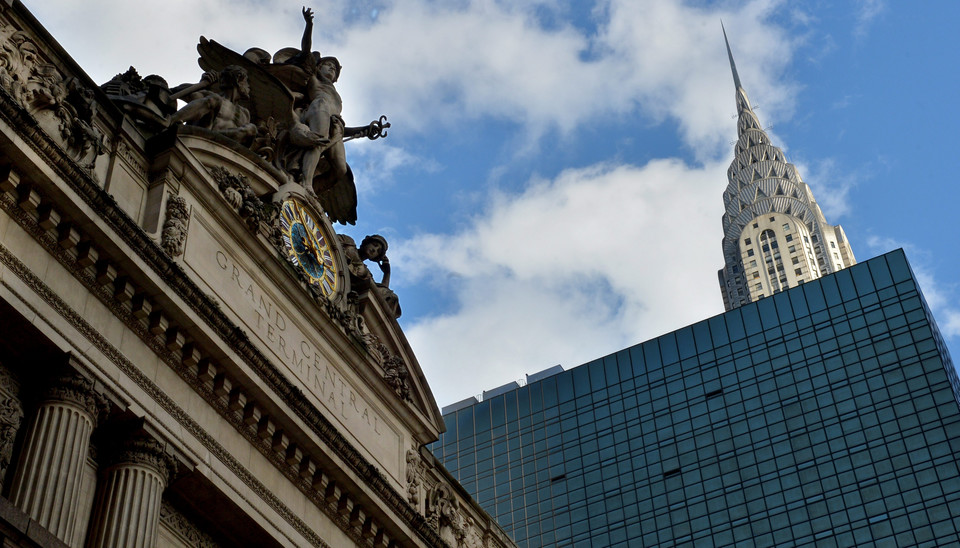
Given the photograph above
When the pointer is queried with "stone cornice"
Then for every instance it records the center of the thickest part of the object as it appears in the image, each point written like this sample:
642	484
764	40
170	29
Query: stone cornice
106	282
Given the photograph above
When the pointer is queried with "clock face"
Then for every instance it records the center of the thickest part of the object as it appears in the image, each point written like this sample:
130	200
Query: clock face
308	247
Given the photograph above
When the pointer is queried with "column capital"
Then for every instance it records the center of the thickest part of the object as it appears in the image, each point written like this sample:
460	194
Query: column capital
145	452
78	390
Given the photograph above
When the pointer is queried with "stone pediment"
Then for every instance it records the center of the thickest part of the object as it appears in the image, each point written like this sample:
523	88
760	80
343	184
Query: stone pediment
237	223
164	260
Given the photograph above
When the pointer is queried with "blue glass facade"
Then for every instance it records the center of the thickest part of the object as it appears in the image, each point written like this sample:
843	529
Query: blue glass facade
826	415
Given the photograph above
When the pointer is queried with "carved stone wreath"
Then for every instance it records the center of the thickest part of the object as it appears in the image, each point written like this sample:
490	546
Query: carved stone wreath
241	197
175	226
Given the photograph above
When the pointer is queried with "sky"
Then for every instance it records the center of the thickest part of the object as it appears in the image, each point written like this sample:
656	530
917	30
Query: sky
551	185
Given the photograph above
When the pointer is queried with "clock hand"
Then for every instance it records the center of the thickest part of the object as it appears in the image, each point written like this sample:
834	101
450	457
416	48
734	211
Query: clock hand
306	228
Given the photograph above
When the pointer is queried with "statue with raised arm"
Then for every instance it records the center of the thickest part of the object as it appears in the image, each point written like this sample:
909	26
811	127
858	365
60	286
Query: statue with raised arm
287	110
219	111
318	132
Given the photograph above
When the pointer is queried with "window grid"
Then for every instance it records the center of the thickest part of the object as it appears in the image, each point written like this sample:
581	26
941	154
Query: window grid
824	414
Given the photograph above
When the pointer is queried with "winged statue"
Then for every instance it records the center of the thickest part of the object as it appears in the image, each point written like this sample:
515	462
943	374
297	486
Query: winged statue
292	100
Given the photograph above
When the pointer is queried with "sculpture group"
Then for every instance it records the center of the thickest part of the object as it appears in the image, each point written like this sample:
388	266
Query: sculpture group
284	107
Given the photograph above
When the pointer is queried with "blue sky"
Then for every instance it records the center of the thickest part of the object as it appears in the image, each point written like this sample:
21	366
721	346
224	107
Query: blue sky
551	187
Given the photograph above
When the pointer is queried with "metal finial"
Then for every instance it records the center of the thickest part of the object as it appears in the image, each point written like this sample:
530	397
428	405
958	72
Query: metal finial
733	65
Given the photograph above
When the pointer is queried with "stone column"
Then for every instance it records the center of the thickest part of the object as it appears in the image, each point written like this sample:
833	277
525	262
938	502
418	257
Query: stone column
50	473
127	507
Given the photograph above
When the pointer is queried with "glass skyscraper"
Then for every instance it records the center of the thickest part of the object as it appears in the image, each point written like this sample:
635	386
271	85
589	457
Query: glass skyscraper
824	415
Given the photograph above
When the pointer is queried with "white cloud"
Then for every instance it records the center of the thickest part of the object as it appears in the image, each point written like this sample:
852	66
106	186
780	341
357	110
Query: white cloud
571	269
375	166
867	12
431	65
831	185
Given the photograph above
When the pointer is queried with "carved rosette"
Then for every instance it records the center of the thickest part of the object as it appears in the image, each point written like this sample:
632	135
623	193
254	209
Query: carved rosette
48	480
127	507
11	417
175	226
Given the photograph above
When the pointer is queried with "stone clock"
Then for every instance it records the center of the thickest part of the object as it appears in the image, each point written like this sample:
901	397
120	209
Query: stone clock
309	247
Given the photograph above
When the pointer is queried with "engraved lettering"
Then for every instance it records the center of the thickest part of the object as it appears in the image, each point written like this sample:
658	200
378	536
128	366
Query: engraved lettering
294	350
297	361
305	349
266	307
283	346
353	401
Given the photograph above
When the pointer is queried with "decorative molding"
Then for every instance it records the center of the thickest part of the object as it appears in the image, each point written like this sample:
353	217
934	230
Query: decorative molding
171	346
396	374
443	513
176	360
241	196
132	158
175	226
395	371
185	530
473	536
415	468
164	401
11	418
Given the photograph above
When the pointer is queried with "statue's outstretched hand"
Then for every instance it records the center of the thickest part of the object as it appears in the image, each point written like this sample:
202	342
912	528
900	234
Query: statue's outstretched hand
307	14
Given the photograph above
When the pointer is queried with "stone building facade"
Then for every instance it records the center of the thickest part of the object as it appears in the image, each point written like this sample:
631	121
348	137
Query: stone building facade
774	234
189	354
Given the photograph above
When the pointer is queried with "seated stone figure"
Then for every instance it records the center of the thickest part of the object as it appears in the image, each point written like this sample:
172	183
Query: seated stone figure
220	112
372	248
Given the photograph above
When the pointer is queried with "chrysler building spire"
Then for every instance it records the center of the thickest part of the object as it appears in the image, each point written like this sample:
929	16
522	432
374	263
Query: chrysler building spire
774	234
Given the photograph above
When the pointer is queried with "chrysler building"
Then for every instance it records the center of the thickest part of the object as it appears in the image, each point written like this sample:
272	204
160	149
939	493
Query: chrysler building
774	234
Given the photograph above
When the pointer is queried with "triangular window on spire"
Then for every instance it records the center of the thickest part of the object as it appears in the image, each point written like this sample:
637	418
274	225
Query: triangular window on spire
756	175
779	187
773	171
